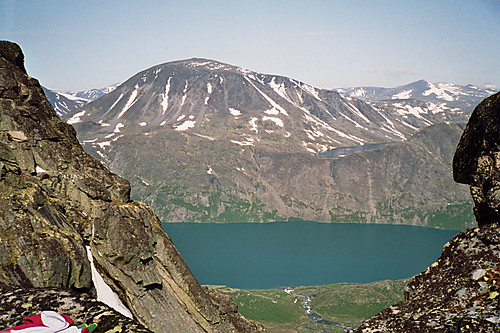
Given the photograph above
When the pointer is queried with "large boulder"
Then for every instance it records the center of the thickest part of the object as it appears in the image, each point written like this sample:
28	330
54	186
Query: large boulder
477	160
56	202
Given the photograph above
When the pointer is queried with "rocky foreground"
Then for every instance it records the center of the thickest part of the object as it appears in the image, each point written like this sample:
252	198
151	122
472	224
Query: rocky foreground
56	200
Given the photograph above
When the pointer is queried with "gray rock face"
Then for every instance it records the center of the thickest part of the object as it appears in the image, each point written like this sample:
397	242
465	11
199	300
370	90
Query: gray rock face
55	199
477	160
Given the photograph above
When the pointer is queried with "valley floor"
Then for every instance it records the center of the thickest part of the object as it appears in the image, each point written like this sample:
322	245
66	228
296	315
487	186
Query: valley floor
347	304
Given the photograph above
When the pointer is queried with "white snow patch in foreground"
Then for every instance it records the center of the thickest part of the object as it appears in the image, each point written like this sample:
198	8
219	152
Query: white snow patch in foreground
185	125
143	123
76	118
210	171
39	170
104	293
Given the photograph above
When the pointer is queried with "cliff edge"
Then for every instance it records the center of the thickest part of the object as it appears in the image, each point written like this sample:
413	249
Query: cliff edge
60	207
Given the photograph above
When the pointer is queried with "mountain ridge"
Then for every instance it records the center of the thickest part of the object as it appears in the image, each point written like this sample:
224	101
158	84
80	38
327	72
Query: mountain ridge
251	141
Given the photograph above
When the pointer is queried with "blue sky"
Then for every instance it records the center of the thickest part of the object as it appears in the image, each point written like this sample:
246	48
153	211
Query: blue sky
76	45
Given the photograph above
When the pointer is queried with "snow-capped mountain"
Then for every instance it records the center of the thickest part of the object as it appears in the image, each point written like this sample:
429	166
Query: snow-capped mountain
205	97
202	140
66	102
440	94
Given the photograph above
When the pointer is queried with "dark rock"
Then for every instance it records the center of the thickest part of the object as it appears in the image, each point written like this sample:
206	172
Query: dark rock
56	200
477	160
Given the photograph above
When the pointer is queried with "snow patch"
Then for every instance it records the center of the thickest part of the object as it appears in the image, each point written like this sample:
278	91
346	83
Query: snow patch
275	105
130	102
143	123
248	142
311	90
439	91
164	102
89	141
205	136
210	171
235	112
163	123
406	94
117	127
116	102
104	144
184	96
104	293
253	124
277	121
272	112
181	117
185	125
76	118
39	170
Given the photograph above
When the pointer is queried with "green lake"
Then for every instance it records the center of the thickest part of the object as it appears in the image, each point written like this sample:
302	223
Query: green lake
269	255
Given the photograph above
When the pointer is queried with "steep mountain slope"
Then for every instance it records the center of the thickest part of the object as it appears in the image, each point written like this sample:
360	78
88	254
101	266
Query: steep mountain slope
205	141
440	94
65	219
66	102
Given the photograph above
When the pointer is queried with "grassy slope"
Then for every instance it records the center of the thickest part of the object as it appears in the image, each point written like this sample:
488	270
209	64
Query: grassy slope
345	303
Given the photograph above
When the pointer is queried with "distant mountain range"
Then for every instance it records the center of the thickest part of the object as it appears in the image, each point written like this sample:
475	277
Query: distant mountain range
66	102
202	140
440	94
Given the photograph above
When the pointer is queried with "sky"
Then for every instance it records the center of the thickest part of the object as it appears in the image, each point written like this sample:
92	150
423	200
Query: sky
79	45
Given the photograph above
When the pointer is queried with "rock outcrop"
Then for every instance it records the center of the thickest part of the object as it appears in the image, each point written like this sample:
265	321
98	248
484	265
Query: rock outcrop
460	291
477	160
56	200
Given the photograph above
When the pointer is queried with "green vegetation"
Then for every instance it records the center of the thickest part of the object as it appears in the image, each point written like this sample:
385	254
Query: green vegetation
345	303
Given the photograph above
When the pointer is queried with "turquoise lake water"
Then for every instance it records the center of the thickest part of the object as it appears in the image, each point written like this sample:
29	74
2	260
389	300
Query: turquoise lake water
269	255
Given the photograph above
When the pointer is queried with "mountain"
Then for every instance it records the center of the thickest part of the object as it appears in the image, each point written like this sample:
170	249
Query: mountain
439	94
205	141
66	102
67	222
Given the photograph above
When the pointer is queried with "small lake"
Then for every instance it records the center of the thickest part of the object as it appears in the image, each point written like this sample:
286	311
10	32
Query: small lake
270	255
344	151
